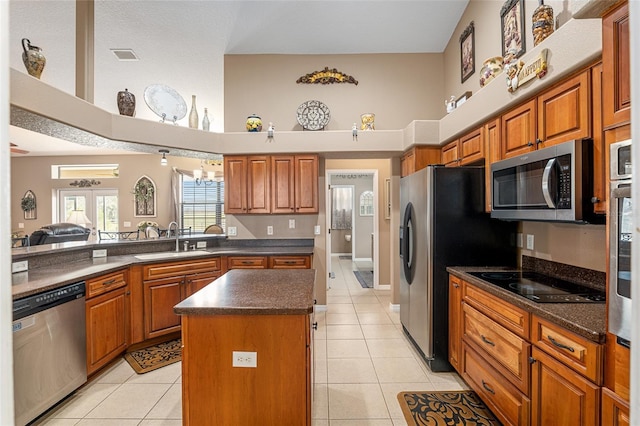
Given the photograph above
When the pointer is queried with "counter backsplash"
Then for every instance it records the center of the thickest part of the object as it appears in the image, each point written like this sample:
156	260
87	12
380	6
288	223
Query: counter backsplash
587	277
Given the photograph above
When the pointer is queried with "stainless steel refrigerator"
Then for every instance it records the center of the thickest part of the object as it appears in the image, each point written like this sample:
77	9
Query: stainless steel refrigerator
443	224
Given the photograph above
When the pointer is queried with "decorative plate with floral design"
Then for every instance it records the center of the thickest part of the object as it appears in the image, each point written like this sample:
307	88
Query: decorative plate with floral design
313	115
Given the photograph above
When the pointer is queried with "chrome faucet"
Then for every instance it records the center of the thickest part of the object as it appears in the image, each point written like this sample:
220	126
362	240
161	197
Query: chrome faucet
177	234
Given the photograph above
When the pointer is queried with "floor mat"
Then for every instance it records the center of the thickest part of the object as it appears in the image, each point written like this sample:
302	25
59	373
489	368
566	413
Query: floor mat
445	408
344	257
154	357
365	278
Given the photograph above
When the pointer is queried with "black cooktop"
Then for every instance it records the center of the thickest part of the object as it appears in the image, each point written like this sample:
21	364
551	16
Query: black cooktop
542	288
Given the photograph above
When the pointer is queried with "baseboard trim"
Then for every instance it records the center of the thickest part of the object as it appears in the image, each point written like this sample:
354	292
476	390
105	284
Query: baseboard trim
395	307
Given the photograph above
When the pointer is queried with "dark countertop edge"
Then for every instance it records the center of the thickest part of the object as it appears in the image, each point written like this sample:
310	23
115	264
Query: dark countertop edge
89	268
587	329
242	311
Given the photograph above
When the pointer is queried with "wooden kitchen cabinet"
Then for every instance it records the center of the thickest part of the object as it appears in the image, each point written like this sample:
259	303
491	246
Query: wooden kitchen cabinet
616	102
246	262
615	410
561	396
417	158
107	320
247	184
468	149
166	284
455	329
289	262
557	115
492	154
294	184
269	262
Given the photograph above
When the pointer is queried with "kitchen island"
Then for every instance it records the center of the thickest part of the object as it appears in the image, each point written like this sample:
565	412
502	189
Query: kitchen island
247	349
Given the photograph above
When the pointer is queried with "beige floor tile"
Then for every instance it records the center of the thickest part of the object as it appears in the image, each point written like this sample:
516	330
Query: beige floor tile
448	378
368	307
163	422
380	331
398	370
319	422
351	370
347	348
390	392
320	349
81	403
451	386
370	422
320	403
366	298
374	318
389	348
320	369
399	421
337	299
117	373
341	308
352	331
56	422
168	374
129	401
356	401
108	422
169	406
333	319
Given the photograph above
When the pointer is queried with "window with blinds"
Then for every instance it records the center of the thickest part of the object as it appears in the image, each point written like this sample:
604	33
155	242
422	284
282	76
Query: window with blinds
202	204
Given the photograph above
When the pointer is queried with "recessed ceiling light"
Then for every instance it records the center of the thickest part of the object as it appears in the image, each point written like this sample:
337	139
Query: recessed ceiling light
125	54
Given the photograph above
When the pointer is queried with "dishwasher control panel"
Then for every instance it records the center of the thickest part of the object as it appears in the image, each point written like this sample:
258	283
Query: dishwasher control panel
39	302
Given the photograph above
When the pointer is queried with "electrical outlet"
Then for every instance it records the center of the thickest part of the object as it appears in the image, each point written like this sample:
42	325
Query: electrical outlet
201	244
20	225
20	266
316	230
232	231
100	253
292	224
269	230
529	242
127	224
519	240
245	359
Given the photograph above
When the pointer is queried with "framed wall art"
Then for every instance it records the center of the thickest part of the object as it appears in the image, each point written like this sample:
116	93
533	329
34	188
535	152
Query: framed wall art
467	53
512	24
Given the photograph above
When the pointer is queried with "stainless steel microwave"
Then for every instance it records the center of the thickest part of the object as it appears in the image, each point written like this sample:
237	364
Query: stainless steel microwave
550	184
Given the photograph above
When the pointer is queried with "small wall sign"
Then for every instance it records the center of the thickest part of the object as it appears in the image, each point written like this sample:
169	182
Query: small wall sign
326	76
519	73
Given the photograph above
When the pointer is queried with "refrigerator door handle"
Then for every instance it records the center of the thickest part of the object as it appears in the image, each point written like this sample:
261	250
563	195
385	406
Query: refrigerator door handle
408	244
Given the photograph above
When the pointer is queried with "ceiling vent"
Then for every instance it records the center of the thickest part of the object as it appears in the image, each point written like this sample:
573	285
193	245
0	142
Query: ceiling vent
125	54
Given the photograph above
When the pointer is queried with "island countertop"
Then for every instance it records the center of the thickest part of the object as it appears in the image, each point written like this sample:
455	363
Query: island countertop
254	292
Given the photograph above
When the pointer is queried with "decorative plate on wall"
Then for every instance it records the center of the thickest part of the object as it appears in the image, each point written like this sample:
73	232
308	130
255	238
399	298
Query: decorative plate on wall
313	115
165	102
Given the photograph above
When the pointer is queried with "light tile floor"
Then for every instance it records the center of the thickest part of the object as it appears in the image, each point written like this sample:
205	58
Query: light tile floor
362	360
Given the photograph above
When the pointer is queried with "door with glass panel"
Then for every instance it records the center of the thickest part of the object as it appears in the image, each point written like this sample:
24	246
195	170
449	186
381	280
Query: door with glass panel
96	209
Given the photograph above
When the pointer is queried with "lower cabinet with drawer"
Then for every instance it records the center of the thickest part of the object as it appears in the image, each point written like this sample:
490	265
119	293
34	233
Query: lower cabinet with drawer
270	262
107	320
527	369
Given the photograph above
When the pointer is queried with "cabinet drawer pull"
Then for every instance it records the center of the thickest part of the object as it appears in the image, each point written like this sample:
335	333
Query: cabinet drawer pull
487	388
315	325
487	341
289	262
529	143
109	282
560	345
456	285
247	262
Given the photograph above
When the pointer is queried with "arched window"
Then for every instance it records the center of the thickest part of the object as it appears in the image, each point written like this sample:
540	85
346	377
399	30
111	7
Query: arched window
366	203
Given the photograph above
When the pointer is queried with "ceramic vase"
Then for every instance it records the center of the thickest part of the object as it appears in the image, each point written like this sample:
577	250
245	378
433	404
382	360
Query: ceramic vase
205	121
368	121
126	103
193	114
254	123
33	58
490	69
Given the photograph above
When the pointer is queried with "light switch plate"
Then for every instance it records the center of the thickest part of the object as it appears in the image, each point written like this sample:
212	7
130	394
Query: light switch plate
21	266
316	230
269	230
292	224
127	224
529	242
100	253
232	231
201	244
245	359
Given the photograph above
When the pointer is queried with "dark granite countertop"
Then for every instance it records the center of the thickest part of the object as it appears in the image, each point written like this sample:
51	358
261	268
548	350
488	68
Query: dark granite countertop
584	319
254	292
58	273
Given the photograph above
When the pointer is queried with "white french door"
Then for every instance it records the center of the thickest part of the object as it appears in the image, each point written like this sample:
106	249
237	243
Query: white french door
100	206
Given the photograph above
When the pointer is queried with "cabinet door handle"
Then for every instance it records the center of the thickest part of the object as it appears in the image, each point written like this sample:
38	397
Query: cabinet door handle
487	341
109	282
560	345
529	143
314	325
595	200
456	285
538	141
487	388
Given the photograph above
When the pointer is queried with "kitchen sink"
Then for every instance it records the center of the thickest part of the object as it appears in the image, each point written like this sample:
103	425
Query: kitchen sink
170	254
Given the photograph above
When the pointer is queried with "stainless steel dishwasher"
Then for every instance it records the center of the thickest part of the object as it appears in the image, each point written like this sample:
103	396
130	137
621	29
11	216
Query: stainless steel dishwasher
49	349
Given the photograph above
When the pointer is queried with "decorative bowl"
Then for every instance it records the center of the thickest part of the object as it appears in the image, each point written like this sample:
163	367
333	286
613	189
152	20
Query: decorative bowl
490	69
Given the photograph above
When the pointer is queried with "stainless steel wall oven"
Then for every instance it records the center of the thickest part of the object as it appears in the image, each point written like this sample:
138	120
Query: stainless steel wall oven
620	234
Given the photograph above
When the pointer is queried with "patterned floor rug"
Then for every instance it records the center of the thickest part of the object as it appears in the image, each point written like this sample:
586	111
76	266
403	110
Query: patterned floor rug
154	357
445	408
365	278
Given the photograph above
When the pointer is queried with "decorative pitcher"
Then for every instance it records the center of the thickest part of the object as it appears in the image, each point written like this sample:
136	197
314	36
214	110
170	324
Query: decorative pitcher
126	103
368	121
254	123
33	58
